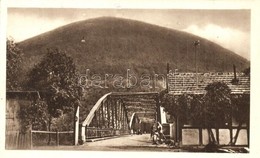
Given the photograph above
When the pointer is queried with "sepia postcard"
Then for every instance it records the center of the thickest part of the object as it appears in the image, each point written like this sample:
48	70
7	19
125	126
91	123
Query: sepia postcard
142	78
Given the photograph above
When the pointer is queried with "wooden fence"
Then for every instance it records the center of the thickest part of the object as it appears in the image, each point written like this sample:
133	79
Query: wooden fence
18	140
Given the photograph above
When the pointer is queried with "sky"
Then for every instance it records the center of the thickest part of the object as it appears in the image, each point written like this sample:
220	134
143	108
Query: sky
228	28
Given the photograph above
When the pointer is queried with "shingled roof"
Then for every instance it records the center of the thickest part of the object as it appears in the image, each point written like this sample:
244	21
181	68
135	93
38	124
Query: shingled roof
179	83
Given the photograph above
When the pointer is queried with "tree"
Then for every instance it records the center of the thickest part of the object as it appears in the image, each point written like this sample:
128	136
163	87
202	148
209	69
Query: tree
213	110
34	115
13	65
217	110
176	106
247	71
197	110
56	77
240	112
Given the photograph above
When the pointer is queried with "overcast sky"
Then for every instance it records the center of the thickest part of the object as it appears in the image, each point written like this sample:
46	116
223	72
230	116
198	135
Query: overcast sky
228	28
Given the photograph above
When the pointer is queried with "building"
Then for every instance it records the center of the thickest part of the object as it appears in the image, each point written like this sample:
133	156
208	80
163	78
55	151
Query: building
194	84
15	138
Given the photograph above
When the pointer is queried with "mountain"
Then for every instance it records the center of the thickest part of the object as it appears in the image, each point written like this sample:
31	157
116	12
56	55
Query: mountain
109	45
113	45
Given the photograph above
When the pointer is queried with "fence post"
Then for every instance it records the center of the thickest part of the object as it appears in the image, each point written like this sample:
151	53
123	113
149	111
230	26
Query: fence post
31	142
76	125
248	134
200	135
82	134
217	135
85	133
231	134
57	138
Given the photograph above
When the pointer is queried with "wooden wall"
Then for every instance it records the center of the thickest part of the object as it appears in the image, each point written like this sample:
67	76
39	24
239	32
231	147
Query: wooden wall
14	138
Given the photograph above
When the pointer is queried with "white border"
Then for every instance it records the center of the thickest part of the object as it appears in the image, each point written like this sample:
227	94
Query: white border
144	4
138	4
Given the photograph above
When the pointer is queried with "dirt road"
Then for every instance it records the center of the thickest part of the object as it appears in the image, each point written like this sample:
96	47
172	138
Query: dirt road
124	143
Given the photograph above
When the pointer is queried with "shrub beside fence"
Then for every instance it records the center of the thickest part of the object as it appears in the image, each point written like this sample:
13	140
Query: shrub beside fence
42	138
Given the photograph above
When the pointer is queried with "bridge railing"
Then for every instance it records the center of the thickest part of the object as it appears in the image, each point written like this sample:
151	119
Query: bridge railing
92	132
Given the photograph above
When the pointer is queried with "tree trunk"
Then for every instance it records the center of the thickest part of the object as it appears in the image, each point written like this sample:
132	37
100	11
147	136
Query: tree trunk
49	129
212	139
217	136
237	133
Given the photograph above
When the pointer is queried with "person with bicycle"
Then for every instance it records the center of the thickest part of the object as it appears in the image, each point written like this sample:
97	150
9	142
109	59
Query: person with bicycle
156	133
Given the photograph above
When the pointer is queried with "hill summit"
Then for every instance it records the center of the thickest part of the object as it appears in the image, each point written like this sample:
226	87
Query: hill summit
113	45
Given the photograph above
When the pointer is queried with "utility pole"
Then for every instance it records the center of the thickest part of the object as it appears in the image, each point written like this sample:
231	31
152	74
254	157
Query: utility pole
175	73
167	76
196	44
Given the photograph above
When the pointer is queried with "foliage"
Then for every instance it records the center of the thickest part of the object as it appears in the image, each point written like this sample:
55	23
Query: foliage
247	71
213	110
240	108
34	114
56	75
217	104
240	112
168	102
13	65
197	110
64	122
176	106
183	108
209	111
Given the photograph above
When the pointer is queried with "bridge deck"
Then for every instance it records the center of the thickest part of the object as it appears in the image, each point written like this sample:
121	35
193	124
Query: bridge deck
123	143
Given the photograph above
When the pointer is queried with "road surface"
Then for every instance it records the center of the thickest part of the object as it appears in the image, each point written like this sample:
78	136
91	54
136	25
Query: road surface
123	143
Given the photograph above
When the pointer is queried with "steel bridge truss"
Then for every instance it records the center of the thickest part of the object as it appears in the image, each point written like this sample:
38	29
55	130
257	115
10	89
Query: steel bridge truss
110	116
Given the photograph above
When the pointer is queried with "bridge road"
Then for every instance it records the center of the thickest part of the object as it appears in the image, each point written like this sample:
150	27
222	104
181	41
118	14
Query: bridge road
123	143
134	142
